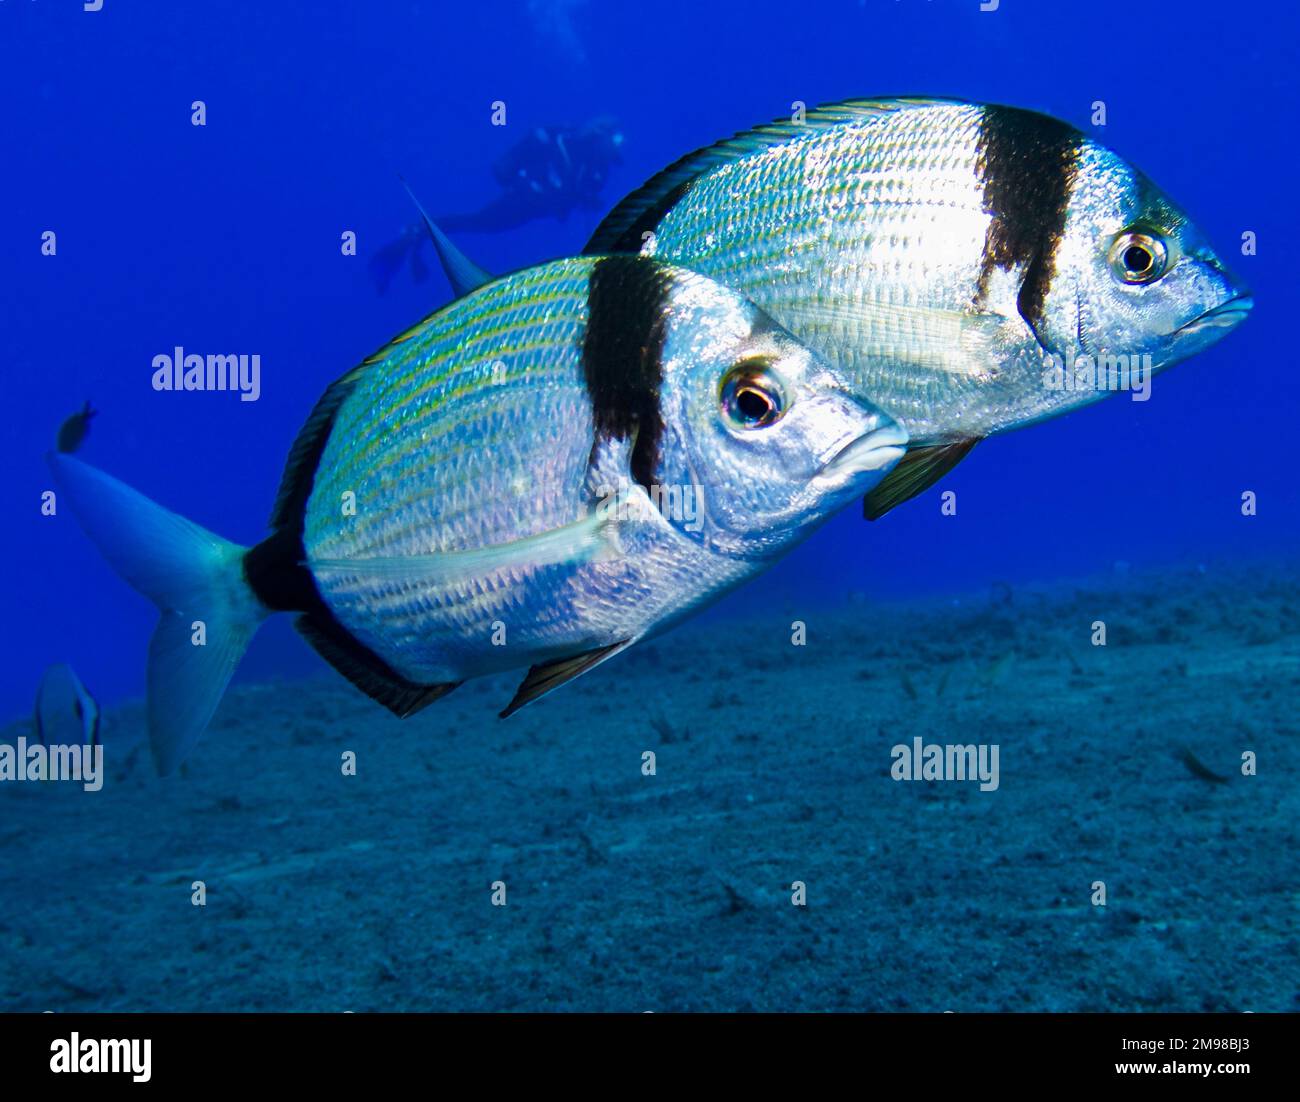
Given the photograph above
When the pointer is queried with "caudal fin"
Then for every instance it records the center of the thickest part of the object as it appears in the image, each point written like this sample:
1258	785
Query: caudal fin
208	612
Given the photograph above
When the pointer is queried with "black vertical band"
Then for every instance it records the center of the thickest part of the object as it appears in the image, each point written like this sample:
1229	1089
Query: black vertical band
1027	164
622	354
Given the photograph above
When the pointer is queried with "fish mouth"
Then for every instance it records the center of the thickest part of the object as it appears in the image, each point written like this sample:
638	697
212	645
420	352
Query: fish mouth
871	452
1227	315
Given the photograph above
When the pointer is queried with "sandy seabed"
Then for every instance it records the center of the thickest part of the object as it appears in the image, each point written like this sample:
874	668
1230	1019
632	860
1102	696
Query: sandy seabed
629	892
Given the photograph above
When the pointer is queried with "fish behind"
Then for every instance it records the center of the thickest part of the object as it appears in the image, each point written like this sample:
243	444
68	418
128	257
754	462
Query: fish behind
972	268
567	460
75	429
66	714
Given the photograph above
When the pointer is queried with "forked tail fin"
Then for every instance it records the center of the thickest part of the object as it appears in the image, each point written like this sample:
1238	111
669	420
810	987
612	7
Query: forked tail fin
208	612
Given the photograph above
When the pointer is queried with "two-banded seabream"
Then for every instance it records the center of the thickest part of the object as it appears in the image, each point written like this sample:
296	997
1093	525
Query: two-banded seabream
564	462
970	268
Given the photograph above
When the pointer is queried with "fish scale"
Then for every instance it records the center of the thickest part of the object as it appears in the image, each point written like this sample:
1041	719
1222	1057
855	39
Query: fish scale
415	433
413	443
809	249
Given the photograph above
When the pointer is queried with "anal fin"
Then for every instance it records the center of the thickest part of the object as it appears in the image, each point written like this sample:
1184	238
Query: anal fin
551	675
366	670
916	472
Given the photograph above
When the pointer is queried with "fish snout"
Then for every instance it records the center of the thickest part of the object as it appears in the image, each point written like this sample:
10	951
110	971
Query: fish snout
1226	316
874	450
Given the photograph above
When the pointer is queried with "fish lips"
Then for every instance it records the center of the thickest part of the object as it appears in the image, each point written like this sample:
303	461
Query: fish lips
1226	316
873	452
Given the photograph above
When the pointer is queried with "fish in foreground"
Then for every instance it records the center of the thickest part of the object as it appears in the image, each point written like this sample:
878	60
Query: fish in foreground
65	714
941	254
566	461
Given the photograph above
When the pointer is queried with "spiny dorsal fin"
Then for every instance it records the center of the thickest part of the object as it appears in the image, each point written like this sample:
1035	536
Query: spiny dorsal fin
917	471
300	470
366	670
304	456
462	273
643	209
542	679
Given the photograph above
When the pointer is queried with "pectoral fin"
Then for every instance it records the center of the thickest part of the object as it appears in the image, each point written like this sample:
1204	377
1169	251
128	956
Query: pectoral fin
542	679
917	471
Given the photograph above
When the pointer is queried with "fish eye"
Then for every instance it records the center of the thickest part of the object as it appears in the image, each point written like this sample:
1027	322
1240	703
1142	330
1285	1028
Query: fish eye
751	395
1137	257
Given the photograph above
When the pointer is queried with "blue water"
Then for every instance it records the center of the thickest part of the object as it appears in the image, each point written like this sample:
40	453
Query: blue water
226	237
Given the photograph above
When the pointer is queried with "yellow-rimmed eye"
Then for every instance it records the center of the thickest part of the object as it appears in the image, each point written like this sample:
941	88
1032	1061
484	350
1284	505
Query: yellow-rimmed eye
1137	257
752	397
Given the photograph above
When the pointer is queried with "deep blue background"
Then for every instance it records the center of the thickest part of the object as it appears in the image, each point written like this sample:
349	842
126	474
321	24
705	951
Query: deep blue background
226	239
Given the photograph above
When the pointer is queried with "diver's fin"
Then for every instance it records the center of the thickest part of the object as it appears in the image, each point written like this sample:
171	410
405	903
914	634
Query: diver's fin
917	471
642	210
366	670
551	675
419	269
208	611
591	539
462	273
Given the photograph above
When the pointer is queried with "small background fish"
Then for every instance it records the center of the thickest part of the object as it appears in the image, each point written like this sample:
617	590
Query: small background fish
73	431
66	714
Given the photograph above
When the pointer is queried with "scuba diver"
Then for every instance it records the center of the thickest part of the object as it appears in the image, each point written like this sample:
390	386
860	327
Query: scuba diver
550	173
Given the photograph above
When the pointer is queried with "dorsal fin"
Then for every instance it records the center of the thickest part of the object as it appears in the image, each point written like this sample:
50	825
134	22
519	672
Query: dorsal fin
462	273
551	675
300	468
642	210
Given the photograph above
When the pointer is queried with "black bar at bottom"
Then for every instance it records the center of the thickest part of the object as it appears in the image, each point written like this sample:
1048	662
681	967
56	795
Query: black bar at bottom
338	1051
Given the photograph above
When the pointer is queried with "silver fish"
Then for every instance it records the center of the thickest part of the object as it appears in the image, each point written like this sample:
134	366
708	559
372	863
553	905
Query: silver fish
566	461
972	268
65	714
